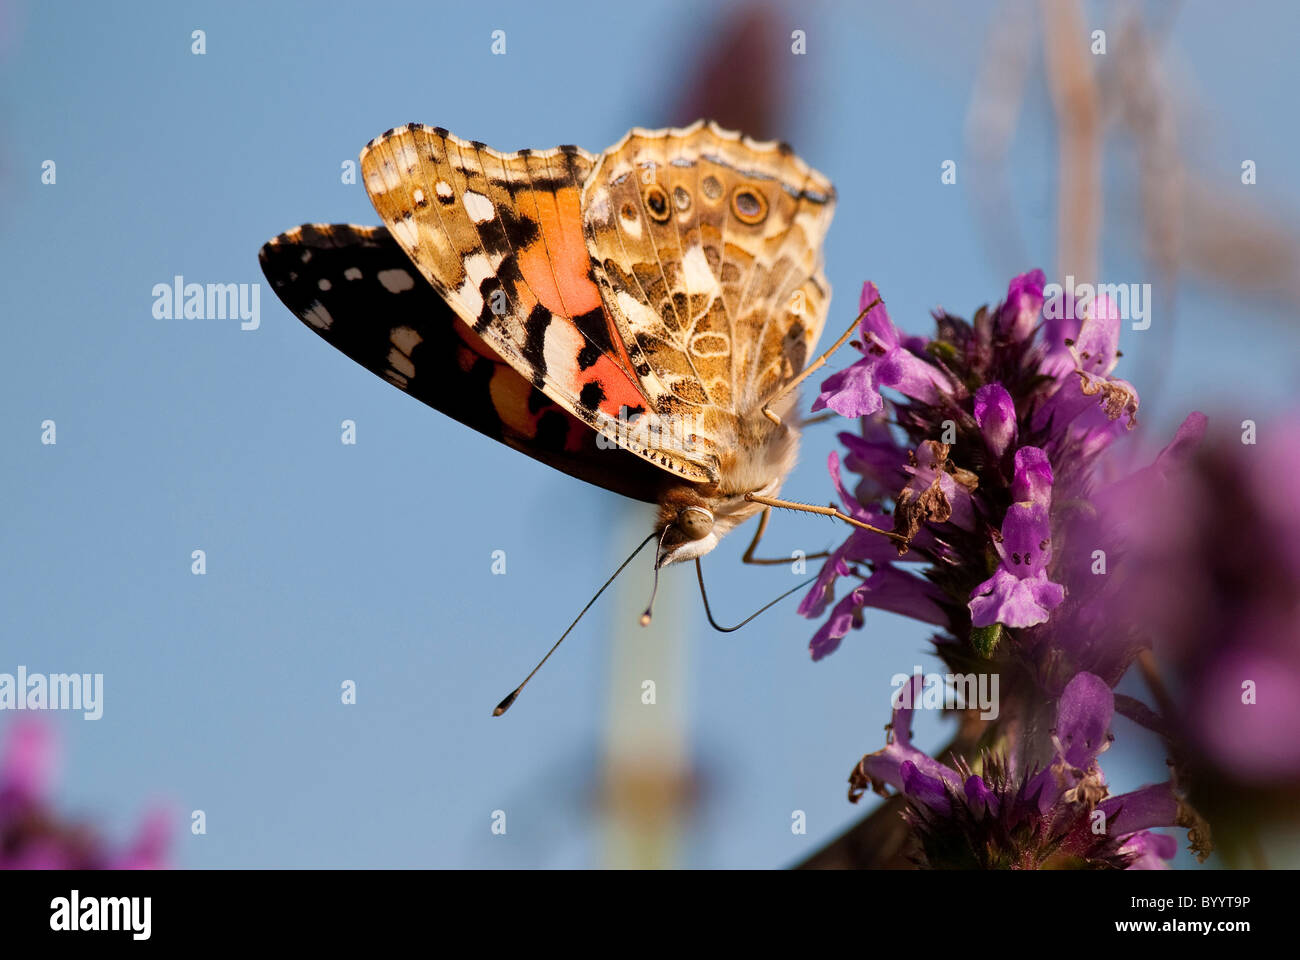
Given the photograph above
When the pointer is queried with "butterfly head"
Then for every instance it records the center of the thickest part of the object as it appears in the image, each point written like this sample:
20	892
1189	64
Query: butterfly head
691	524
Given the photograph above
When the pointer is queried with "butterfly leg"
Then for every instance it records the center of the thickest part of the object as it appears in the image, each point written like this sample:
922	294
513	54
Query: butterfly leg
816	364
825	512
772	561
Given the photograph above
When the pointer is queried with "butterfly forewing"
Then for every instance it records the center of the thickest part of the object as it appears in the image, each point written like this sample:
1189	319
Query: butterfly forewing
357	288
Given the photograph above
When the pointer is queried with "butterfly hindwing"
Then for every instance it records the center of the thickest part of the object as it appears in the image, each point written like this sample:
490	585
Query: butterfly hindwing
358	290
500	237
708	248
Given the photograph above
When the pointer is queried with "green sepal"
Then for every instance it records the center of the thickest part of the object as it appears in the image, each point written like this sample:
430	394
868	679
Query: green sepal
985	640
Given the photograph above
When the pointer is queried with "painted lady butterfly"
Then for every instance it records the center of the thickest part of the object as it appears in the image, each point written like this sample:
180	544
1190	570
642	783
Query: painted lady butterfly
638	319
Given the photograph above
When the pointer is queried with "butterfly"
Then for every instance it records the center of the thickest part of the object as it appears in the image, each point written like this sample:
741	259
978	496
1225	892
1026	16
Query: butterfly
638	318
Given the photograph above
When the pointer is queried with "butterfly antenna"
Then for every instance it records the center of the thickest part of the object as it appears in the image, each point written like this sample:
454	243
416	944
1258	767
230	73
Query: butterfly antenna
649	607
699	572
505	704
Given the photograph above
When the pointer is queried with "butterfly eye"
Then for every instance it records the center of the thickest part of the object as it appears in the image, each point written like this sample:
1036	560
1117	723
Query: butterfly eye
656	201
695	522
748	205
681	198
711	187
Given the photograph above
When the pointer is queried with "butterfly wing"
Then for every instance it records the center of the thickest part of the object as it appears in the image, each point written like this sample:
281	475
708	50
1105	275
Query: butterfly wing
708	246
500	238
356	288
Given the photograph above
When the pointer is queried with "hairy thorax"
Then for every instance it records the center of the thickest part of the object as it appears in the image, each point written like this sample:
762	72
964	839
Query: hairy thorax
694	517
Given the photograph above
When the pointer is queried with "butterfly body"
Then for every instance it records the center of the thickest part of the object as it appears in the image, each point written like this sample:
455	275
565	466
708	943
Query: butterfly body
625	317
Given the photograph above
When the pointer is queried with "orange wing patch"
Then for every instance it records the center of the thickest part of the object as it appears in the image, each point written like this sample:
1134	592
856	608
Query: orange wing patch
556	264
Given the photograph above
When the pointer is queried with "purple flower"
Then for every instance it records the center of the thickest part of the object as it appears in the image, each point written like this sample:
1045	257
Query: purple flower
995	412
886	362
862	546
886	588
1019	313
1088	403
1150	851
931	494
1044	819
27	766
1009	425
1019	594
34	837
876	455
1203	570
1032	482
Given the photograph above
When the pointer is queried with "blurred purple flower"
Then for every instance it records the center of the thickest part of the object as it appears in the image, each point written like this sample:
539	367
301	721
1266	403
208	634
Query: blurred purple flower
1209	577
34	837
1045	818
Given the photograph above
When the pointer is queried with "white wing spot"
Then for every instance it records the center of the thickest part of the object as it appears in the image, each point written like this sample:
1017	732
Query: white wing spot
401	363
477	269
632	226
352	273
635	310
560	351
405	339
306	255
406	156
323	283
697	274
442	188
418	196
405	232
395	281
478	207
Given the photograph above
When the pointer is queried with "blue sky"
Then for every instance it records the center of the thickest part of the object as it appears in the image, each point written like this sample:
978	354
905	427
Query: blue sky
372	562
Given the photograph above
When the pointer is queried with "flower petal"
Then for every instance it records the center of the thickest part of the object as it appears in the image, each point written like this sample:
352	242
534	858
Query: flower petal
995	412
851	392
1019	313
1013	602
1033	477
1083	717
1152	850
